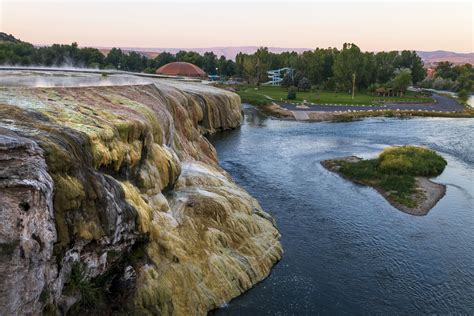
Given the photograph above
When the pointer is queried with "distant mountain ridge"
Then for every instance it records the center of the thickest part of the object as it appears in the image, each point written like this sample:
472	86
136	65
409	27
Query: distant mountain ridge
428	57
230	52
442	55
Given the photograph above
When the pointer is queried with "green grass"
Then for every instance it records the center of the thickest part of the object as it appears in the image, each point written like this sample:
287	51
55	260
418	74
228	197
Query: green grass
249	94
395	169
253	98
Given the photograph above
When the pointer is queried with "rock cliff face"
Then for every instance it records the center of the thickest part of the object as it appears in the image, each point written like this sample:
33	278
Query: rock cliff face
112	200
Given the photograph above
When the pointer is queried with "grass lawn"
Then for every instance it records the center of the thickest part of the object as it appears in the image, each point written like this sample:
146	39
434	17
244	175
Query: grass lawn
249	94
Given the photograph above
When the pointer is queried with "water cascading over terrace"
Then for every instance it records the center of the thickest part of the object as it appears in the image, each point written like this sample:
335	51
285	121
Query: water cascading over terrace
113	200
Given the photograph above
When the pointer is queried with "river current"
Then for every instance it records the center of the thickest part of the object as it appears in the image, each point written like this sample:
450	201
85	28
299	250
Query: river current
347	250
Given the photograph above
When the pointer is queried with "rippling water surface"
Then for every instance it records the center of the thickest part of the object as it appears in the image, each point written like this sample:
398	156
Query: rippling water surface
347	250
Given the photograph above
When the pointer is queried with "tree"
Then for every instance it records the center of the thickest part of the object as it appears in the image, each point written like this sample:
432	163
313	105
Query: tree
209	63
446	70
115	58
348	62
297	77
385	65
286	81
291	93
248	68
465	80
133	62
304	84
226	67
262	59
402	80
190	57
463	96
411	60
163	59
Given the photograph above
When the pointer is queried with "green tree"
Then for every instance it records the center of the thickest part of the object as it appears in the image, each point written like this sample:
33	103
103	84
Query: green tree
226	67
348	62
115	58
304	84
463	96
385	65
297	77
190	57
262	62
163	59
402	80
445	70
209	63
411	60
286	81
291	93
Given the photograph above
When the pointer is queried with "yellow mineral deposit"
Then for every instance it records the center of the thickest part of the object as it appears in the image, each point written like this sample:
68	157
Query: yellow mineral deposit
207	239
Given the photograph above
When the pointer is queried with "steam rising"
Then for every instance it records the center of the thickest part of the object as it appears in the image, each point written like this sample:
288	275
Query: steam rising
66	76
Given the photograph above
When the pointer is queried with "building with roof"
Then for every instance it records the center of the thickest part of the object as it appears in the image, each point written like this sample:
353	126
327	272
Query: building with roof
180	68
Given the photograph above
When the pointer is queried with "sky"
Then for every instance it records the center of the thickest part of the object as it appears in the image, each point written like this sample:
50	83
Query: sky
372	25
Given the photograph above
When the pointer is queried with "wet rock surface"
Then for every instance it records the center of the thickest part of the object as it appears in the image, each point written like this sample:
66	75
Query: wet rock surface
112	200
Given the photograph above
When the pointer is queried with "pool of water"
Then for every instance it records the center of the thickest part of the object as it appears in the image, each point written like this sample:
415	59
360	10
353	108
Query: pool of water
347	250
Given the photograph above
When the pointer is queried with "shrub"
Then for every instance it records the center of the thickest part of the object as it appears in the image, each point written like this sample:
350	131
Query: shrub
78	282
304	84
411	160
395	170
291	93
297	77
463	96
395	164
287	81
389	113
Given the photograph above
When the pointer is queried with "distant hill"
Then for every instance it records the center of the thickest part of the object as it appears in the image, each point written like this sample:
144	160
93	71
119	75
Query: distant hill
429	57
442	55
4	37
228	51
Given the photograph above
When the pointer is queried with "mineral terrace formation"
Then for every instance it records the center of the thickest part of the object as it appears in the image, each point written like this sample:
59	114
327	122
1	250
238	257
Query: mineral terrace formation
112	200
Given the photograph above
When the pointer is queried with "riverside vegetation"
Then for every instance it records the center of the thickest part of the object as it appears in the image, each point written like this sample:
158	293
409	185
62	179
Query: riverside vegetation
394	172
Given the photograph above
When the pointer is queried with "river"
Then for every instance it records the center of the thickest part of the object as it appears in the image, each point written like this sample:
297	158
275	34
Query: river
347	250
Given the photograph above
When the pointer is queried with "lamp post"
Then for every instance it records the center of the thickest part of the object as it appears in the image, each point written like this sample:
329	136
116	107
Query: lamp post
353	84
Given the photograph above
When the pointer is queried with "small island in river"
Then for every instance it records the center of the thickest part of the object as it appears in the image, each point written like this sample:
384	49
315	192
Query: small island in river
400	174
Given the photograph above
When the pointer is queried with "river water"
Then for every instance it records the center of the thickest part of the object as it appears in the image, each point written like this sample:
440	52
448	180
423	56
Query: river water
347	250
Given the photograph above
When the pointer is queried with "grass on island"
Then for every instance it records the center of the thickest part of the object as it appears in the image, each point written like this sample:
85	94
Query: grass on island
395	169
250	94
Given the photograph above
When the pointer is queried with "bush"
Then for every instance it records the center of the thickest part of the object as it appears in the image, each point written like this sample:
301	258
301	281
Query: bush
394	164
297	77
287	81
291	93
395	170
463	96
304	84
411	160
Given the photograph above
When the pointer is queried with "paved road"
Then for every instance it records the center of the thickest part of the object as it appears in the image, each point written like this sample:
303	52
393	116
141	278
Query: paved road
443	104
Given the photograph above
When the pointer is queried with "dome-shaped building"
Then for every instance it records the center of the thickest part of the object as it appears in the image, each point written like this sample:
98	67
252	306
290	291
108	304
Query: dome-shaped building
180	68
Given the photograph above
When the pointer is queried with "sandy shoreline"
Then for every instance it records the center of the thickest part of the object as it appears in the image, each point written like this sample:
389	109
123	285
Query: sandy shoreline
427	194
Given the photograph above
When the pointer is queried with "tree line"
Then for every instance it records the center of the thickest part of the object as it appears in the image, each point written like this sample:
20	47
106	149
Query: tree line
56	55
333	69
448	76
323	68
